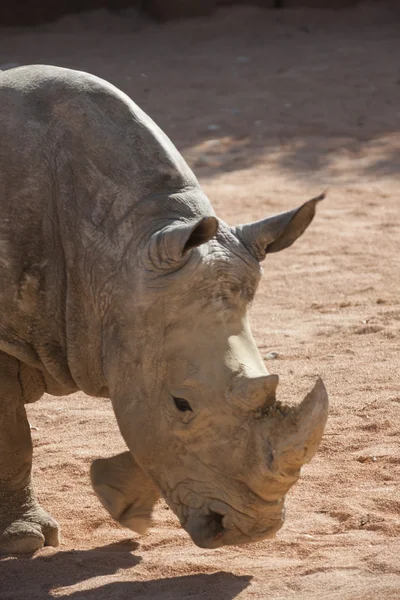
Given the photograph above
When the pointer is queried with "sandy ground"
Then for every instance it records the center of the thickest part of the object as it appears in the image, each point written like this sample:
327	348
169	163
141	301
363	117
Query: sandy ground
269	108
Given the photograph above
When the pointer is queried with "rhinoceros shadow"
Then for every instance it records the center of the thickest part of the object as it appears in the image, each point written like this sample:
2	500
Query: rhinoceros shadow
215	586
45	577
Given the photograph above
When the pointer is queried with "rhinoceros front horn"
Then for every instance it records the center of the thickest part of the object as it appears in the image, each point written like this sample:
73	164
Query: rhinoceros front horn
302	431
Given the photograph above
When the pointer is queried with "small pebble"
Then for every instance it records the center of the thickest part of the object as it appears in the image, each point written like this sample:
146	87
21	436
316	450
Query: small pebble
211	143
271	355
366	459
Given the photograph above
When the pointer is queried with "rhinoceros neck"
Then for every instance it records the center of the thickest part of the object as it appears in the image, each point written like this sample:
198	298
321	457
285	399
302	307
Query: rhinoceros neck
88	178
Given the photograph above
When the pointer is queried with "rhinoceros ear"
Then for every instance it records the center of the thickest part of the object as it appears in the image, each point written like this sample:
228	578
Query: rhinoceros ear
278	232
200	233
168	246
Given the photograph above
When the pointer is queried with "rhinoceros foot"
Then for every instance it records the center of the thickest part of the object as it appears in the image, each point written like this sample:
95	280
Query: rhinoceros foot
24	525
124	490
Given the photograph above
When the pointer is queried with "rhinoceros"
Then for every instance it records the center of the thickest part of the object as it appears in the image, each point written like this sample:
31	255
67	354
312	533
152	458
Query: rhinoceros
118	279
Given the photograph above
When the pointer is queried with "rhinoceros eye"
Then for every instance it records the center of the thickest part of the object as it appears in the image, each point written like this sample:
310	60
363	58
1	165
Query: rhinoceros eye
182	404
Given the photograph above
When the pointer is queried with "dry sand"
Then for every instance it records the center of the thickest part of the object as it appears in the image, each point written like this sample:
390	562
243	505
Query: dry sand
270	108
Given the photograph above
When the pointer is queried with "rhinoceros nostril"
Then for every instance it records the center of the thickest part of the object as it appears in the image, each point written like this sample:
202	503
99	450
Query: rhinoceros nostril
215	524
206	530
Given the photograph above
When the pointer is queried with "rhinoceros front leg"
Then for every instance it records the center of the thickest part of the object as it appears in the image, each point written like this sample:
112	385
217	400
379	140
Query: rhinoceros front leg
124	490
24	525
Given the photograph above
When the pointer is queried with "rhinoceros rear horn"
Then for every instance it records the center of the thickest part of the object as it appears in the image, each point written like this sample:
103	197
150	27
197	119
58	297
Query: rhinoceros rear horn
168	246
278	232
300	437
254	393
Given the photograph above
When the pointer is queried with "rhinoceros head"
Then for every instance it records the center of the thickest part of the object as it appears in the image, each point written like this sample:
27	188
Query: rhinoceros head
194	401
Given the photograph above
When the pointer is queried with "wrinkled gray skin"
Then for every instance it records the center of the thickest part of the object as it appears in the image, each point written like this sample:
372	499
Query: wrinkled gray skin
118	279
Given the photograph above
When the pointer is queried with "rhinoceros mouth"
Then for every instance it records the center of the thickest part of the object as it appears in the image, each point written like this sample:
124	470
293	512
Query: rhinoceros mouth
211	531
215	523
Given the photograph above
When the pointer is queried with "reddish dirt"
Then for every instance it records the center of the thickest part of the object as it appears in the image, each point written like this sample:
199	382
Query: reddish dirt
270	108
